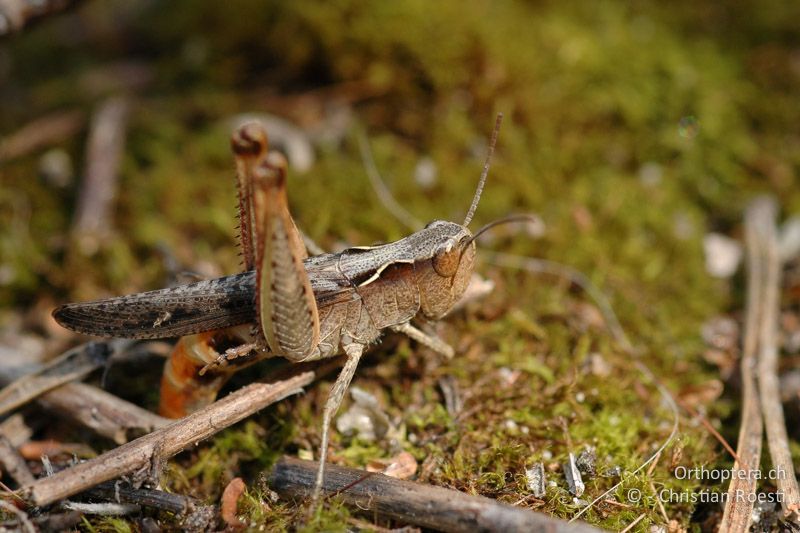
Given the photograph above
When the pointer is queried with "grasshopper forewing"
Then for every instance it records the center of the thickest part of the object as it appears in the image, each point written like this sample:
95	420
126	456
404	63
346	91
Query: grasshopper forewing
300	308
174	312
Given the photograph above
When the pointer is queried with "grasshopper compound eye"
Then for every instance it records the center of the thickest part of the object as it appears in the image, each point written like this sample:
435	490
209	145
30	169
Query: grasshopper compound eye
446	259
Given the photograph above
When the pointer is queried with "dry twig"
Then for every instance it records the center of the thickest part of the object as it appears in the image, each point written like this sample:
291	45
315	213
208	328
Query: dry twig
155	499
16	430
102	412
14	464
24	523
89	406
416	503
42	132
170	440
73	364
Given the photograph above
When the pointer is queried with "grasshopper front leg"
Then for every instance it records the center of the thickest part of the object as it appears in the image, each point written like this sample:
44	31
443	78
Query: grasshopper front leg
332	404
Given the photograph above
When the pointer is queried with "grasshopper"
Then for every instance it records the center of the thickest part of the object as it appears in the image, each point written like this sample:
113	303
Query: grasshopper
298	307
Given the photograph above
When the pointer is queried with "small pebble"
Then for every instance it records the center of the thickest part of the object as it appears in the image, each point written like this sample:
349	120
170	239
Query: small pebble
650	174
573	476
55	167
364	418
537	480
723	255
682	226
586	461
599	366
306	455
426	173
721	332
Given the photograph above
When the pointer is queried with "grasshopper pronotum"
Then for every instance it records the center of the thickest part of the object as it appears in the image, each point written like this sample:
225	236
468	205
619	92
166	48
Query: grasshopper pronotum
304	308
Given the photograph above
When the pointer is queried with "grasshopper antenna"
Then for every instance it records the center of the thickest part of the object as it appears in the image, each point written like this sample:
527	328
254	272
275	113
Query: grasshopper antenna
486	165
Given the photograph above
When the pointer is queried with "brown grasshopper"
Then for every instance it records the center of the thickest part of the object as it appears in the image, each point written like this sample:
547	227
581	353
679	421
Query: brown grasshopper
305	308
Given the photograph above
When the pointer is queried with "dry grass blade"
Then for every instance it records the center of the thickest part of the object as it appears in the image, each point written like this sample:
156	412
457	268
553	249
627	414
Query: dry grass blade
764	215
379	186
739	505
416	503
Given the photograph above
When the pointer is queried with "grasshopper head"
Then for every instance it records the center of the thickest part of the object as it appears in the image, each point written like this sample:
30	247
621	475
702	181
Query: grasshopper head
444	275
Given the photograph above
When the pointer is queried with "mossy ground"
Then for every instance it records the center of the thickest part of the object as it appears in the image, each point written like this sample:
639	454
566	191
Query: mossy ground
632	129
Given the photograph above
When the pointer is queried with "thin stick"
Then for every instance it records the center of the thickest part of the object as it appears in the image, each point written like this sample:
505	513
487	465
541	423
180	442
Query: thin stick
89	406
102	412
102	509
25	523
71	365
741	491
98	191
14	464
633	524
155	499
415	503
40	133
168	441
379	186
764	215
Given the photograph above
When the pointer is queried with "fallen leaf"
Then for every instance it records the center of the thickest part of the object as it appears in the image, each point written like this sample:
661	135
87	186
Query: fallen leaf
230	501
401	466
33	450
701	394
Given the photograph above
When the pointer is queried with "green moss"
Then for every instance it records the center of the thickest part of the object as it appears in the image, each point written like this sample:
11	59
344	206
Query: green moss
106	525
